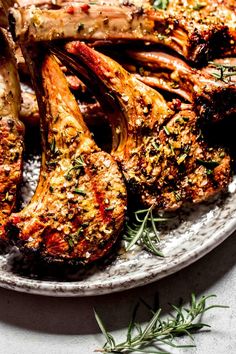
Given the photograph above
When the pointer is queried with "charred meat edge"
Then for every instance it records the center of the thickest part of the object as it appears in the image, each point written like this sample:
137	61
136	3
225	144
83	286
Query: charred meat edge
78	209
197	42
11	131
162	154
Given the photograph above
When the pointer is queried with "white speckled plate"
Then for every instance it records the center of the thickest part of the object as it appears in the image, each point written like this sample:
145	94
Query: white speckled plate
196	232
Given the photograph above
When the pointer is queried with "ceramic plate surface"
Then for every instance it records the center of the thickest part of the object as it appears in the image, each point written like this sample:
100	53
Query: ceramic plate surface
194	233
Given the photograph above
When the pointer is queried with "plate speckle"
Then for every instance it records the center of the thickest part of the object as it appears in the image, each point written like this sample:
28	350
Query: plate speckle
197	231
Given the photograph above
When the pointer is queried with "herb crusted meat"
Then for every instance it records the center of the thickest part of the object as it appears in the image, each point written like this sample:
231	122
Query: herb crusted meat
78	209
158	150
165	160
197	40
11	132
163	156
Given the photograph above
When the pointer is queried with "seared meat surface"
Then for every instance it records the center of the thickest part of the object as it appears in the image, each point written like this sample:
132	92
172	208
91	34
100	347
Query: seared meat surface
78	209
11	132
158	149
162	154
209	12
169	73
197	41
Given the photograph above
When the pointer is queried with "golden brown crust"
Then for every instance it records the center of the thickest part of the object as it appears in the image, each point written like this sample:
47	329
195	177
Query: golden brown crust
197	41
11	132
163	157
79	206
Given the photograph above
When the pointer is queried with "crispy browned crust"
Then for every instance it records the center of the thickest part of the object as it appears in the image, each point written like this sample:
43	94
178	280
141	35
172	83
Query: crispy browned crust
11	132
197	41
162	154
79	206
198	87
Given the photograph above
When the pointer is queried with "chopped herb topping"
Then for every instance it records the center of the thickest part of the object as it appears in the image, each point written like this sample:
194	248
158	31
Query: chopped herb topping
155	146
160	4
51	189
208	164
79	191
198	6
181	158
178	196
166	130
72	239
54	152
109	208
80	27
78	164
224	71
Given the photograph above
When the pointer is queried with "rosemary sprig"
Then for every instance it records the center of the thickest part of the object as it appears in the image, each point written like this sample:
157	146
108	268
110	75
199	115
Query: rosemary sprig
158	332
77	165
224	71
143	231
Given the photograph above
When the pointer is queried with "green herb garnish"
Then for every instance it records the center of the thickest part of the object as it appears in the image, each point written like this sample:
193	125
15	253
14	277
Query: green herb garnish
53	146
224	71
181	158
51	189
78	164
109	208
155	146
160	4
198	6
80	27
166	130
148	338
208	164
79	191
54	152
178	196
143	231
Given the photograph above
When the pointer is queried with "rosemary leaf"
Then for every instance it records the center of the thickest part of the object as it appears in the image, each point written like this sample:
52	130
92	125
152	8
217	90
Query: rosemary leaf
108	336
132	324
143	231
139	233
224	72
157	332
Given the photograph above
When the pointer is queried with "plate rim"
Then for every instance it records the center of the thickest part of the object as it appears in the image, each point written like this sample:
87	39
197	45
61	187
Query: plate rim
123	282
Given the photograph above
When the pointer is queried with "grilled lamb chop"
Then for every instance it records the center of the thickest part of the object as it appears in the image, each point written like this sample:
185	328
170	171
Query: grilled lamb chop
196	41
78	209
212	12
162	154
172	74
11	132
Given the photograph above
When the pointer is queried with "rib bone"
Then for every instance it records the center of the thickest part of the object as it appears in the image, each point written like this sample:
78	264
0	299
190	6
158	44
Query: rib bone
93	22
